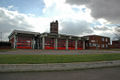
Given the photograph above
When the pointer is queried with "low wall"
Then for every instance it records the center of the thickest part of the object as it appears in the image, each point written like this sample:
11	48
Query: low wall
56	66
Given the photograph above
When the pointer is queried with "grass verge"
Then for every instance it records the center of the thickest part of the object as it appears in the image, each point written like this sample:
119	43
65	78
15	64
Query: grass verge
5	50
39	59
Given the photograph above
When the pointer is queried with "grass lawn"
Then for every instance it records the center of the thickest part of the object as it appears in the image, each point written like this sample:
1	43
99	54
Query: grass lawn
38	59
5	50
111	49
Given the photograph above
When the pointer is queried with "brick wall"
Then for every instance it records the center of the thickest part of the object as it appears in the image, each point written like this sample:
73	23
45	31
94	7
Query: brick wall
97	42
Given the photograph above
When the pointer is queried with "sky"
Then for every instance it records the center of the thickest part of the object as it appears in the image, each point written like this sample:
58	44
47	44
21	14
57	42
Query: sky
75	17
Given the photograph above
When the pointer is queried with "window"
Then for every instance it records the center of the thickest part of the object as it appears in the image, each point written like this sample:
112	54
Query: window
94	44
102	39
92	40
106	40
90	45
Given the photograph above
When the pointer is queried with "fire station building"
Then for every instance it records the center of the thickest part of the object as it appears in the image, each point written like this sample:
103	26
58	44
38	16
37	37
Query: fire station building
97	42
54	40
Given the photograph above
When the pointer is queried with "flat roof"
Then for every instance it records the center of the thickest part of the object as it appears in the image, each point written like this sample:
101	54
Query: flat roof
95	35
24	32
61	35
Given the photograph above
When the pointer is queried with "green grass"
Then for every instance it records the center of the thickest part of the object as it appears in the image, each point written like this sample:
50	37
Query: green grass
113	49
105	49
5	50
39	59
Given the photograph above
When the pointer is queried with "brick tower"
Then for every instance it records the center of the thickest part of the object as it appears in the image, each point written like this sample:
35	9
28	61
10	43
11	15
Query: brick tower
54	27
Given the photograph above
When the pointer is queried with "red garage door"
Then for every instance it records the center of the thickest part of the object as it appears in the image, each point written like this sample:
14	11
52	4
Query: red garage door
80	45
71	44
24	43
61	44
49	43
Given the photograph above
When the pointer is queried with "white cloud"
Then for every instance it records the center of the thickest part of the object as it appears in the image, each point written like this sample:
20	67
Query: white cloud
58	9
66	13
10	20
10	7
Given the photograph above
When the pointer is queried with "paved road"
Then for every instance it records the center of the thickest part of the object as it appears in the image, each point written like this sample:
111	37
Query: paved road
90	74
59	52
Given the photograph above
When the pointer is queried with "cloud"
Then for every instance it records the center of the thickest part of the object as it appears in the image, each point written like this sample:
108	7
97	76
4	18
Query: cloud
76	27
78	2
73	19
10	7
11	20
108	9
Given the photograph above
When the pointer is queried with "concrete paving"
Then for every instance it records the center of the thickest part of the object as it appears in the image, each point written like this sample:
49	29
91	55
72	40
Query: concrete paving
90	74
60	52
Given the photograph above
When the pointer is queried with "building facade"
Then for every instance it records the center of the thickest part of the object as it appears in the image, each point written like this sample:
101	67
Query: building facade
53	40
33	40
23	39
97	42
116	44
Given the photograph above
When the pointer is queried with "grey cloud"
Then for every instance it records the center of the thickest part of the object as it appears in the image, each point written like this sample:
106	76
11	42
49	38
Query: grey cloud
117	33
9	21
78	2
76	28
108	9
105	28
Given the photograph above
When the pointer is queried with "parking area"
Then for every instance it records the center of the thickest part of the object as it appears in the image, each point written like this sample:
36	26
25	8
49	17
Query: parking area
59	52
